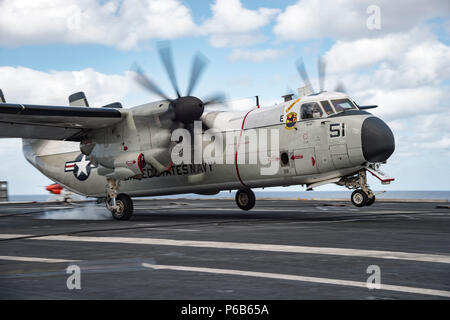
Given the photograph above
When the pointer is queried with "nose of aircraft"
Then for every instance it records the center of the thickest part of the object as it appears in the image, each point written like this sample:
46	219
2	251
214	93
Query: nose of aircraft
377	140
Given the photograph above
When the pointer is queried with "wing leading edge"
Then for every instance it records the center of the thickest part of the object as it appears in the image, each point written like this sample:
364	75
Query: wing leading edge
53	122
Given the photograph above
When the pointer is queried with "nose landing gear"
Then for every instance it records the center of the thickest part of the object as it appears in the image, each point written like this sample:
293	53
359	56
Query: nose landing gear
363	196
120	205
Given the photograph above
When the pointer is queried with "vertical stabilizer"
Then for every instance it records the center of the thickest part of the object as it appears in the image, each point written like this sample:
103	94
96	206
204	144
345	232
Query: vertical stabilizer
78	100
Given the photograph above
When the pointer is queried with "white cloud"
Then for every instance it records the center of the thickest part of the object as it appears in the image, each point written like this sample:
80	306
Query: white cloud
346	19
254	55
25	85
234	25
418	57
123	24
406	72
405	103
422	135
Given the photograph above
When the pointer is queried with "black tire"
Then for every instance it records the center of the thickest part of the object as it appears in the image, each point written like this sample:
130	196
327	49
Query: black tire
245	199
370	201
126	207
359	198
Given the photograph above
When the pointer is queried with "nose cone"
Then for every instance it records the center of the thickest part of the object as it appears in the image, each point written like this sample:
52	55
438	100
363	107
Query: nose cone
377	140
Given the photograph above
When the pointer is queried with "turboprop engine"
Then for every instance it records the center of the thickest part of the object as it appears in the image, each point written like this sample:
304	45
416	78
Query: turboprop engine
144	136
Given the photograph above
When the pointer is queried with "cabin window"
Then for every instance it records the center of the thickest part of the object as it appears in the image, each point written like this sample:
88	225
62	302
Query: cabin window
342	105
311	110
327	107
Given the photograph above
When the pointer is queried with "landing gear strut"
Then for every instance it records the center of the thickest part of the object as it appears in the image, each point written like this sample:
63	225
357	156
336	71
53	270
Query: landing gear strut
363	196
120	205
245	199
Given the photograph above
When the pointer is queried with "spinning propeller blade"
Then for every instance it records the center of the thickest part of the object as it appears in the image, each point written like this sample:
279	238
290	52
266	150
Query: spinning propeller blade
199	64
340	87
303	74
148	84
186	108
321	66
165	53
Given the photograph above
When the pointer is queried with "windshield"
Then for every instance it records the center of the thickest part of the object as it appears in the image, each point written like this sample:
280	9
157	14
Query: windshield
311	110
327	107
342	105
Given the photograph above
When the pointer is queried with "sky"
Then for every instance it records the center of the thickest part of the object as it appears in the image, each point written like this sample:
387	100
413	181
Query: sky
395	54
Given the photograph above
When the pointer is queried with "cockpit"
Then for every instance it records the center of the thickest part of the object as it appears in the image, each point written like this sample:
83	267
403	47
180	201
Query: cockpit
312	110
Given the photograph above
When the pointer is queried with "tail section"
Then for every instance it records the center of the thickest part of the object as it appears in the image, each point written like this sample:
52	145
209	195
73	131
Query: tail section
49	156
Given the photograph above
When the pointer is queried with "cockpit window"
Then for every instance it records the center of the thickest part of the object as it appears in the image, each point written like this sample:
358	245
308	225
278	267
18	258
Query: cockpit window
342	105
327	107
311	110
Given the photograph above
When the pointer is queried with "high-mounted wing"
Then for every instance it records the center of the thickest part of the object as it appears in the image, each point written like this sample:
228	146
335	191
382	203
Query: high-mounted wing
53	122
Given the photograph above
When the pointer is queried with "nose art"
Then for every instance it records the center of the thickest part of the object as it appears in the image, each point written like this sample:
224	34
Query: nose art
377	140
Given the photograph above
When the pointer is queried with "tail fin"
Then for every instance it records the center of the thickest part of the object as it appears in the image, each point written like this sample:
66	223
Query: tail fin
2	97
78	100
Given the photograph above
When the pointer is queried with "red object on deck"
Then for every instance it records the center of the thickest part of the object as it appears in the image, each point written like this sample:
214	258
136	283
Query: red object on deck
55	188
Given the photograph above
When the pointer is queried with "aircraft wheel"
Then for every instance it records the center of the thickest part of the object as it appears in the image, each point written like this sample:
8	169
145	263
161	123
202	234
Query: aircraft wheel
245	199
125	205
370	201
359	198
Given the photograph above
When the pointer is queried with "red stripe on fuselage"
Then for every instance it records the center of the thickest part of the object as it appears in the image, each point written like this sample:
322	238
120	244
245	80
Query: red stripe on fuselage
237	149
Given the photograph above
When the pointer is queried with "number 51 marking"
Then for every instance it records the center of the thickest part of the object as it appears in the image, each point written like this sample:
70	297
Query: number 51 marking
337	130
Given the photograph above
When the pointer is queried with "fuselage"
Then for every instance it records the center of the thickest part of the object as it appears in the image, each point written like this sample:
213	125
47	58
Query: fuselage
320	140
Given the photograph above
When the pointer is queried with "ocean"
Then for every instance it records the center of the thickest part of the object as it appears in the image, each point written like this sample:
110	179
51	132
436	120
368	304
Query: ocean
421	195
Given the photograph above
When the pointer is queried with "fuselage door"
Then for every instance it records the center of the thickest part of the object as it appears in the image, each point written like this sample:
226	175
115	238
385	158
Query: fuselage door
304	161
339	155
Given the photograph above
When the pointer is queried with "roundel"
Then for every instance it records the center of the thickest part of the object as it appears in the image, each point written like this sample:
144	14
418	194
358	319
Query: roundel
81	167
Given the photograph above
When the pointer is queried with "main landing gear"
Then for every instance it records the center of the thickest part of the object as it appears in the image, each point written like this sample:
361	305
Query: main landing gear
120	204
363	195
245	199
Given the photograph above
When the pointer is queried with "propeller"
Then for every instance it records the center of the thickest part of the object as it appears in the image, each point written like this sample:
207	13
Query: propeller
199	64
165	53
186	108
321	69
303	74
340	87
321	66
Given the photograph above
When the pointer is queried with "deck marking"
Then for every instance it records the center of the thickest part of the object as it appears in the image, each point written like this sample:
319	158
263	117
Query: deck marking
378	254
291	277
12	236
34	259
